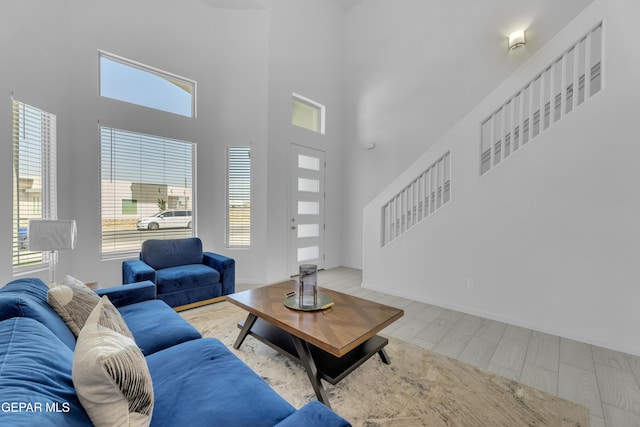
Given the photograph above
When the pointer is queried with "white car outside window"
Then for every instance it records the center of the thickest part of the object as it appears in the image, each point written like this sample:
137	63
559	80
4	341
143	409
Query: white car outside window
166	219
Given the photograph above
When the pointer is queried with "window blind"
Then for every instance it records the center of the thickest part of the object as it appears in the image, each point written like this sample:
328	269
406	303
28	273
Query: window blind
34	178
238	233
142	175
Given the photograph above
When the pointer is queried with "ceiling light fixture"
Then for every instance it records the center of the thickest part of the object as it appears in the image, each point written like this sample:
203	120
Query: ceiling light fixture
516	39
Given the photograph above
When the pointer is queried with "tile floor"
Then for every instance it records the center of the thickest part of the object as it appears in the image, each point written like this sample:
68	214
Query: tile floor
606	382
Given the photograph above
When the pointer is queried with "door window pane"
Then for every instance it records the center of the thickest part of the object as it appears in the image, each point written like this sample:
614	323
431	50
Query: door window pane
308	208
307	162
308	253
308	185
308	230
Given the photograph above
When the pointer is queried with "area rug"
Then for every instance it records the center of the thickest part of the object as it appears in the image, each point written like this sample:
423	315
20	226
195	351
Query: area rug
419	388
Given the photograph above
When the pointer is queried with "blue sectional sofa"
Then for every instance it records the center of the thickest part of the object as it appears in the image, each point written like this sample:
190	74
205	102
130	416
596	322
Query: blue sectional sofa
196	381
184	275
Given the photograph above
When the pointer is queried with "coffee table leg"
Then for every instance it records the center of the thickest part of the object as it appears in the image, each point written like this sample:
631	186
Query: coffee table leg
384	357
251	319
312	370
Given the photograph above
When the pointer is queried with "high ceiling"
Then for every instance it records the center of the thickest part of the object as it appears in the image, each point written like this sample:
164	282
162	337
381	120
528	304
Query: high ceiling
235	4
257	4
347	4
440	57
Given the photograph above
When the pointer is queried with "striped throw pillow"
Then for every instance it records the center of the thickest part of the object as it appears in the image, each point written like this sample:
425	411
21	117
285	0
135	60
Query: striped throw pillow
110	373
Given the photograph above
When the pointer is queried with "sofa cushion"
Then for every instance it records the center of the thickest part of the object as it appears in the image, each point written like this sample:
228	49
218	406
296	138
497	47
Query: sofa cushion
28	298
111	374
185	277
156	326
205	374
36	388
73	301
167	253
314	414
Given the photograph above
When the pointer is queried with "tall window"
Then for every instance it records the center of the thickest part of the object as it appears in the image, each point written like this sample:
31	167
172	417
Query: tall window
147	189
34	177
238	233
307	114
139	84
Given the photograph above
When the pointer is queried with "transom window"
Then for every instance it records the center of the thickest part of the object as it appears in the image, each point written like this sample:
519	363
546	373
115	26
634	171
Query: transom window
130	81
307	114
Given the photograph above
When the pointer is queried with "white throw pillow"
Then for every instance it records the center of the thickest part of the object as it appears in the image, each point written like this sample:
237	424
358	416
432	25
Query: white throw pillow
110	317
73	301
110	374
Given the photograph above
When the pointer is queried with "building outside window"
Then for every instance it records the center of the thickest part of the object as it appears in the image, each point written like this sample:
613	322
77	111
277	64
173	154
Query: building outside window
34	179
147	190
238	232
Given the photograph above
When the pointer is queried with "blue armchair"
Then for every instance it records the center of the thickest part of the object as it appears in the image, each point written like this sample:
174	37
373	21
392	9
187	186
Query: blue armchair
184	275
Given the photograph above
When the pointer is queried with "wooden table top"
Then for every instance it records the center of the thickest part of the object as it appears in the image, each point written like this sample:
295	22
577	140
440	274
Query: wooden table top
339	329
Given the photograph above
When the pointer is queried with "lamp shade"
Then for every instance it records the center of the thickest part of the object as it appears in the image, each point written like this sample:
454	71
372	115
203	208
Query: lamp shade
52	235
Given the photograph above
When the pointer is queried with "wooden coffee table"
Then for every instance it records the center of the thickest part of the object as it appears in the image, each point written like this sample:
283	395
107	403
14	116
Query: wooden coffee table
329	343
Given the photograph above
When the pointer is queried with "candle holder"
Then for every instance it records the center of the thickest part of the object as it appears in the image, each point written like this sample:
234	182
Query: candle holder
308	298
308	279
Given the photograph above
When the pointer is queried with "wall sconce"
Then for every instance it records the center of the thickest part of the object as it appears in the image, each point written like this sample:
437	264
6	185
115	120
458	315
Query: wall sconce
516	40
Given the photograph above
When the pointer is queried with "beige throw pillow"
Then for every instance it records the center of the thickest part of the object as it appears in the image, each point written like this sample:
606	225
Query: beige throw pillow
110	373
110	317
73	301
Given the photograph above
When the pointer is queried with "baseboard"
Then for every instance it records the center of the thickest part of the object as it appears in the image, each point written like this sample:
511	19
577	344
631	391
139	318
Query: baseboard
199	303
633	350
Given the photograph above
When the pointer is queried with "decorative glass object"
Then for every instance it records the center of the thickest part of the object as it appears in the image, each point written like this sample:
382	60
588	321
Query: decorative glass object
307	298
308	280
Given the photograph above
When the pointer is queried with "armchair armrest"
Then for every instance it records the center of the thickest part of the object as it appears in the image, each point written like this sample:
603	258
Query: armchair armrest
227	268
135	270
130	293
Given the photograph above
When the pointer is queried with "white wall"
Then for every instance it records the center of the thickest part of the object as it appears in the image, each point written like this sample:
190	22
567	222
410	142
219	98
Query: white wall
246	62
551	235
413	69
305	57
34	69
224	50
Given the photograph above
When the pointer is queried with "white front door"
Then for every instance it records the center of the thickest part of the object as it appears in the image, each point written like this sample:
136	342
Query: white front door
306	229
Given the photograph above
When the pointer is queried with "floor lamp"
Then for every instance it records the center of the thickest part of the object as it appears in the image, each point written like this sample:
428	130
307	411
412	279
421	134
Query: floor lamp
52	236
